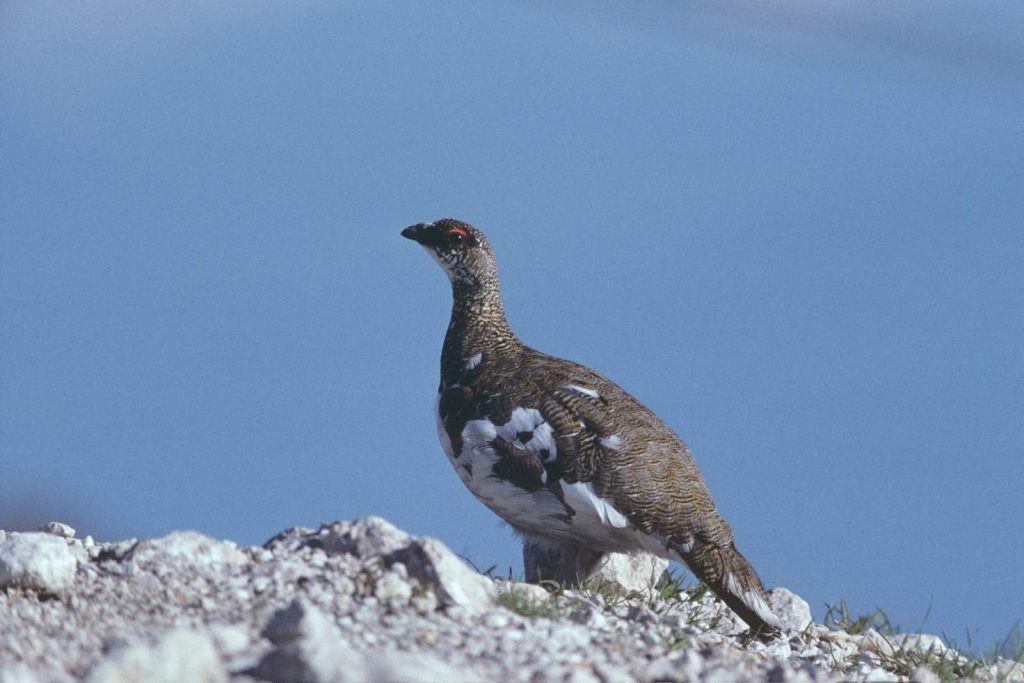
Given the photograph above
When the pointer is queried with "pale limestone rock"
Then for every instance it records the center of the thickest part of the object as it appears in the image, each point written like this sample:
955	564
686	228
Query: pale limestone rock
37	561
393	589
879	675
1009	671
923	674
299	620
792	610
58	529
431	563
409	667
185	551
310	649
18	673
180	655
530	592
366	537
921	643
629	573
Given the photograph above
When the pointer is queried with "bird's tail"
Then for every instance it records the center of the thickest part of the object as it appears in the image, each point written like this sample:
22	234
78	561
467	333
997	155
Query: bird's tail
726	572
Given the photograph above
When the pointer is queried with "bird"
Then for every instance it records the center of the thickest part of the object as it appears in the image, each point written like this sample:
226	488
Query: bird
572	462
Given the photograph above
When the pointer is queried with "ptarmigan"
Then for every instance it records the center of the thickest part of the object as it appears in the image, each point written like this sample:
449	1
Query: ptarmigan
566	457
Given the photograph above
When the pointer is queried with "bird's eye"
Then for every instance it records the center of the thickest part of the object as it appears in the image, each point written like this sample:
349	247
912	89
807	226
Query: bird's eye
457	235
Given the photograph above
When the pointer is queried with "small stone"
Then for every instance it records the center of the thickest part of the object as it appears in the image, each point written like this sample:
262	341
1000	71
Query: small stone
58	529
531	592
178	656
185	551
299	620
37	561
1009	670
923	674
310	647
776	649
921	643
18	673
876	642
434	565
365	538
879	675
629	573
792	610
393	665
393	590
495	621
230	640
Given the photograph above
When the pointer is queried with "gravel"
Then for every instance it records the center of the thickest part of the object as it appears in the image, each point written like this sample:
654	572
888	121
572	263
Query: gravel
365	601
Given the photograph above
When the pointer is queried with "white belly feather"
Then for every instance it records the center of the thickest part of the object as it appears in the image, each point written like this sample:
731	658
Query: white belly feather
593	519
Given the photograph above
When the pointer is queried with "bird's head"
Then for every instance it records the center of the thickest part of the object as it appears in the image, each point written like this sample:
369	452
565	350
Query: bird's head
459	248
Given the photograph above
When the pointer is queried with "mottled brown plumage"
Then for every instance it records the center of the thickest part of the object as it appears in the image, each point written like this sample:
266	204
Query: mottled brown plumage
567	457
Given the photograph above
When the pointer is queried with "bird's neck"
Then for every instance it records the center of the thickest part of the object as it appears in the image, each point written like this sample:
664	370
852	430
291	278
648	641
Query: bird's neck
478	326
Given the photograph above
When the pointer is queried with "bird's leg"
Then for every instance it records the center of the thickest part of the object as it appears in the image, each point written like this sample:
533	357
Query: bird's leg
568	563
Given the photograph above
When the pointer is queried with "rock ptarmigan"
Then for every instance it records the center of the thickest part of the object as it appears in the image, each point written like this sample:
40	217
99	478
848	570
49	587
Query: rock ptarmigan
566	457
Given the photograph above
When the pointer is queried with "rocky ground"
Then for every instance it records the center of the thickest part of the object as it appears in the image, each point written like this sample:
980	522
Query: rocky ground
364	601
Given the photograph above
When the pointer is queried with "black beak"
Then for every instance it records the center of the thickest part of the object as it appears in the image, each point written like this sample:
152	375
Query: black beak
420	232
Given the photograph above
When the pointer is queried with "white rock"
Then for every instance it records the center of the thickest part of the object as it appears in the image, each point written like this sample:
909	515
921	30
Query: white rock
337	662
879	675
1009	670
310	648
185	551
366	537
230	640
300	620
18	673
631	573
58	529
393	665
392	589
178	656
921	643
21	673
875	642
776	649
304	664
923	674
454	583
530	591
37	561
792	610
684	666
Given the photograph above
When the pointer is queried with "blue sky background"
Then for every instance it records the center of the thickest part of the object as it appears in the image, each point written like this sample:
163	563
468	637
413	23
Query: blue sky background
795	231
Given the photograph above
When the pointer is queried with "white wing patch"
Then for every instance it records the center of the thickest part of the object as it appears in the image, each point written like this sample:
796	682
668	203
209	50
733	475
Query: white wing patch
512	503
612	443
583	390
474	361
528	423
581	498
